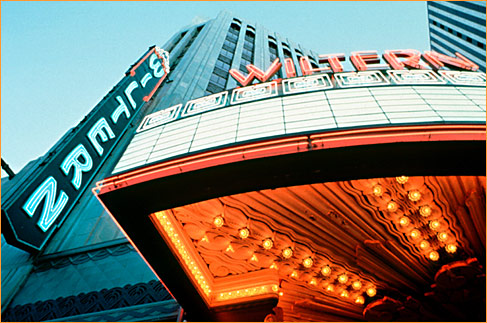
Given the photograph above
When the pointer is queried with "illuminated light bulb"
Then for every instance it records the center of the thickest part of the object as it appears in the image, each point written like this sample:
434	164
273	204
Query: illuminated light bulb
230	248
294	274
451	248
402	179
357	285
360	300
218	221
344	294
343	278
267	243
424	244
330	288
275	288
326	270
287	253
404	221
204	239
244	233
433	255
281	293
308	262
274	266
313	281
425	211
415	234
434	225
442	236
254	258
377	190
414	196
392	206
371	291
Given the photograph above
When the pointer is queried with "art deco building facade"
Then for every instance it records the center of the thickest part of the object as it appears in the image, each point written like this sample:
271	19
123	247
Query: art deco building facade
458	26
298	194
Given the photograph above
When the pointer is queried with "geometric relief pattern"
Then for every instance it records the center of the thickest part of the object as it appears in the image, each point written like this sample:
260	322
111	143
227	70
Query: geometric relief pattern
81	258
339	246
106	299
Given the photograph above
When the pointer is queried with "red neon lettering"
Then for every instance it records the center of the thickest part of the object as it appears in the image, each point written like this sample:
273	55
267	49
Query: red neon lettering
289	66
307	69
436	60
256	72
366	60
333	60
412	58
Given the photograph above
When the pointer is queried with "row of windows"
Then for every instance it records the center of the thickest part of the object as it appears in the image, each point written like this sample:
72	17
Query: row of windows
219	77
459	35
458	13
272	56
248	50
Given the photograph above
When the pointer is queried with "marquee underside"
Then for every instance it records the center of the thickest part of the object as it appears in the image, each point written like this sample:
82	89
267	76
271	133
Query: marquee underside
326	197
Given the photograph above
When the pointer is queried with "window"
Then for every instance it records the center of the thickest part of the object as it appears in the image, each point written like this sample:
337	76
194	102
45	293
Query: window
219	77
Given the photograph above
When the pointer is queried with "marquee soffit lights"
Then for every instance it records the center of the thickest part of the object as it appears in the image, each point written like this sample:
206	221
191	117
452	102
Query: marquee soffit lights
268	261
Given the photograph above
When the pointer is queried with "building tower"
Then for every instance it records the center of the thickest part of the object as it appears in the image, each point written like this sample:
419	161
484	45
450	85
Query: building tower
299	192
458	26
87	258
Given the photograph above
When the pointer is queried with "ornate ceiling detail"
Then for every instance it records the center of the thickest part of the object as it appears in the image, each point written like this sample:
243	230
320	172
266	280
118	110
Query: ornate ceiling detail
329	250
458	294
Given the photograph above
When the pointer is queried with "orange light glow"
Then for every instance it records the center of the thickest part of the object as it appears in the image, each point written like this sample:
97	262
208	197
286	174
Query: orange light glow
435	225
451	248
357	285
402	179
442	236
344	294
360	300
414	196
247	292
294	274
218	221
330	288
274	266
308	262
371	291
281	293
287	253
313	282
425	211
197	273
326	270
267	243
404	221
243	233
230	248
254	258
343	278
377	190
415	234
433	255
424	244
392	206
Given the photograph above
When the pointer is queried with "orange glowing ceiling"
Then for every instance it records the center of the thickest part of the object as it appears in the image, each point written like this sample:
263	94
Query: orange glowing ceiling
370	249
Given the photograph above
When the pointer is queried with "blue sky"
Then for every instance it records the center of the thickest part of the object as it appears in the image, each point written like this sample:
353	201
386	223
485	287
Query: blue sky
58	59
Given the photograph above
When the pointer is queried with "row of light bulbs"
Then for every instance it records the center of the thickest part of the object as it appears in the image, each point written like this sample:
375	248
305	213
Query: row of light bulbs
307	262
425	211
190	264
